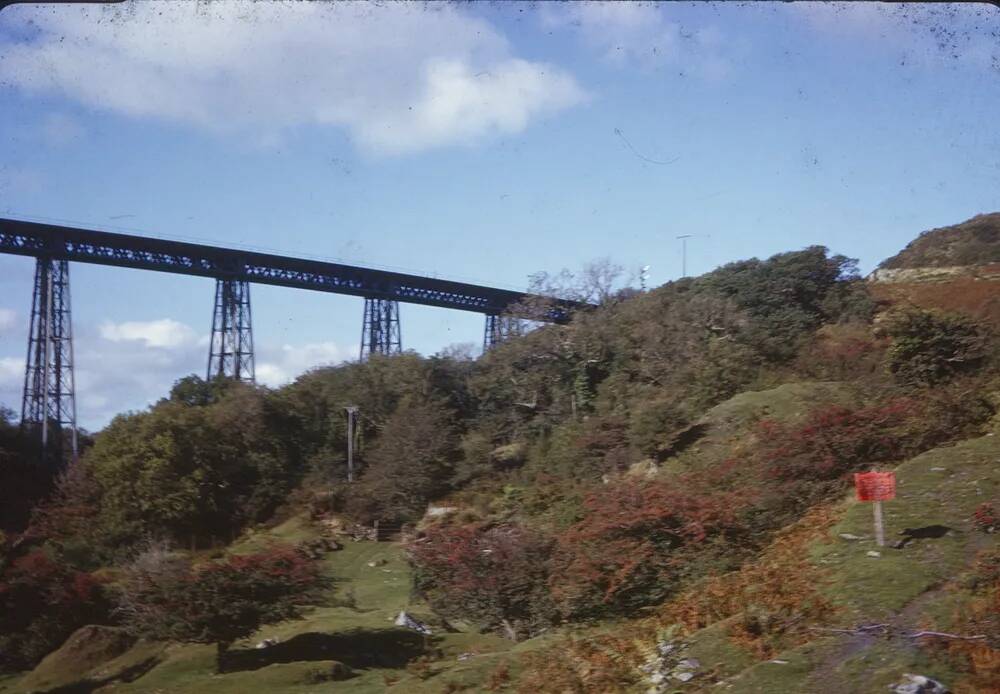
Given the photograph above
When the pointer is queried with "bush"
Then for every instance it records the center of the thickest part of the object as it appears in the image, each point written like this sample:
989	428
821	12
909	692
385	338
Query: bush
930	347
496	576
162	596
633	542
42	602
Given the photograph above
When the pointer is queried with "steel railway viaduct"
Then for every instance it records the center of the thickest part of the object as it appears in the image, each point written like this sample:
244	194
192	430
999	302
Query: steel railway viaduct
49	402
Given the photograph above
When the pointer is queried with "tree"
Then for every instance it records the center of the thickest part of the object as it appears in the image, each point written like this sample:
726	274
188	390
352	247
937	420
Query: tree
930	347
410	463
494	575
788	296
192	474
163	596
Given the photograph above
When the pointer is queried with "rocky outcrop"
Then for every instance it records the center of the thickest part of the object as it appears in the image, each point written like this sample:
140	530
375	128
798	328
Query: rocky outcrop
935	274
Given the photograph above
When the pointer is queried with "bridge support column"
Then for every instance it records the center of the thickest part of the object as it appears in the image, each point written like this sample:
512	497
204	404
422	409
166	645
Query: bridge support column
231	349
380	331
499	328
49	402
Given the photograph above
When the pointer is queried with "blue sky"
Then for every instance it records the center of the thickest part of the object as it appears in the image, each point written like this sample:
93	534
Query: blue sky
475	141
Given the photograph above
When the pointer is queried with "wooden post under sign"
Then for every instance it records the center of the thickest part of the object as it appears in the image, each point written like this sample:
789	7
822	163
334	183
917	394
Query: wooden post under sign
877	487
879	528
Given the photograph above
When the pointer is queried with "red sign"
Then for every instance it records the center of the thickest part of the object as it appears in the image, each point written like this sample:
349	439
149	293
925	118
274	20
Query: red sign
875	486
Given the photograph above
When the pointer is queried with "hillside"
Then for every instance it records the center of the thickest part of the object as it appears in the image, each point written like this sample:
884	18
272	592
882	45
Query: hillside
973	242
655	497
920	586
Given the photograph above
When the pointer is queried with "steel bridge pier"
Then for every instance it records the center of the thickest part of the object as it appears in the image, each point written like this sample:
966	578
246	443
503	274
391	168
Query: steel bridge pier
230	352
49	402
380	330
499	328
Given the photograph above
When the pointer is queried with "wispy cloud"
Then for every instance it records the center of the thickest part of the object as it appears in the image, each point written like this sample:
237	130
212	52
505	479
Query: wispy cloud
397	77
276	367
641	34
164	332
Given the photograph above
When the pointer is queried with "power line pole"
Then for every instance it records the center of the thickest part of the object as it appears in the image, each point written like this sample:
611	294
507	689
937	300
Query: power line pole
684	253
352	412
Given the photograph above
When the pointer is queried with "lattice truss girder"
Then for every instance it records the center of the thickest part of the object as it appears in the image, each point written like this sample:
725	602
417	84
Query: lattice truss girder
123	250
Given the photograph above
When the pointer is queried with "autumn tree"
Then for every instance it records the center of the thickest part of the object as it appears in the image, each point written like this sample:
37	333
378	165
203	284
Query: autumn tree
494	575
163	596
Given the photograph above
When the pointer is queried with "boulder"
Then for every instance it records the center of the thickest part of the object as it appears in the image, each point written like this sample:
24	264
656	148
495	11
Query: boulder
405	620
918	684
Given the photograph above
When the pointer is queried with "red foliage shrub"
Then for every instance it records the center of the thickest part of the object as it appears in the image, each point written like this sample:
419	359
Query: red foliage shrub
42	601
629	544
496	575
163	596
985	517
836	440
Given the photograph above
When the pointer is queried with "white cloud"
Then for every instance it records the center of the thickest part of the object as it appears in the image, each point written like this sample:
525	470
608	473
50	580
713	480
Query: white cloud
11	382
130	365
398	77
276	367
164	332
640	33
11	373
8	320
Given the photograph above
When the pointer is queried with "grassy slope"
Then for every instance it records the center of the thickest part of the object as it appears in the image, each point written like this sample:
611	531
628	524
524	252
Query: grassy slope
729	425
906	588
363	605
377	593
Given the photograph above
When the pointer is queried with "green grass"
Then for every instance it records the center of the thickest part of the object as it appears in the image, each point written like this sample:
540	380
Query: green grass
906	588
790	676
363	603
361	608
731	423
874	589
716	651
292	531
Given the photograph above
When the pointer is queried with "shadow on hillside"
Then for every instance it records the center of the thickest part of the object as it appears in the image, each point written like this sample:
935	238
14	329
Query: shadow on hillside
358	648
